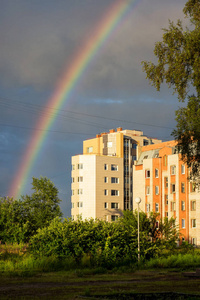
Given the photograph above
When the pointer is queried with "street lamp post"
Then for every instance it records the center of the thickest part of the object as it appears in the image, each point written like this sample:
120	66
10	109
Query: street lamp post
138	200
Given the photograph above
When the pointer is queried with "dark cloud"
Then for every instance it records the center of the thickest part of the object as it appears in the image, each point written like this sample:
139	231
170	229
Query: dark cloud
39	40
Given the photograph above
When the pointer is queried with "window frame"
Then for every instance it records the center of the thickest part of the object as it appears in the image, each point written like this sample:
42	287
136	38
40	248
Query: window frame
156	173
114	192
173	170
114	205
114	167
147	173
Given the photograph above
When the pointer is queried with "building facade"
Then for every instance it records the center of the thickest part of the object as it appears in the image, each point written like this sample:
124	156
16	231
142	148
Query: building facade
102	177
118	166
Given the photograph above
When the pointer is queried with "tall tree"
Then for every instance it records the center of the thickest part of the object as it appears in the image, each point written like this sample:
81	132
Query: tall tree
178	65
43	205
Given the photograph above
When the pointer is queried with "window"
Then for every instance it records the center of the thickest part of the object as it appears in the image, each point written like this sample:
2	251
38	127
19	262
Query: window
114	180
156	207
114	218
147	190
173	188
80	166
89	149
106	192
192	187
109	144
182	187
173	170
134	157
182	169
114	167
106	179
182	205
72	179
114	205
72	217
114	193
105	167
165	160
194	223
183	223
147	173
80	179
73	167
72	192
156	189
145	142
157	224
193	205
166	199
80	191
156	173
105	205
134	146
80	204
148	207
145	157
194	241
173	206
77	204
72	204
166	182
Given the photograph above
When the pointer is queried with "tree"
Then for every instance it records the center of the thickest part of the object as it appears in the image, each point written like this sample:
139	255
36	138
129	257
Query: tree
178	65
43	205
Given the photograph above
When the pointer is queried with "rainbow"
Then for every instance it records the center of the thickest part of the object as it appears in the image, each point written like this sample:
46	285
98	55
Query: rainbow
114	16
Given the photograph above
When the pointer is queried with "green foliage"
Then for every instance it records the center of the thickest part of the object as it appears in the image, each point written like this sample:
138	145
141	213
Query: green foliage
101	243
20	219
178	65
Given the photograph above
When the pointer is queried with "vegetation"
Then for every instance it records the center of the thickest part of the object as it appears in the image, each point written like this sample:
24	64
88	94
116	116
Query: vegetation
178	65
20	219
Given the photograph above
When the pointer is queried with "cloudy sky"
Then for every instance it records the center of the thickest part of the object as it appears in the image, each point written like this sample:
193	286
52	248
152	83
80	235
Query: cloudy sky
39	39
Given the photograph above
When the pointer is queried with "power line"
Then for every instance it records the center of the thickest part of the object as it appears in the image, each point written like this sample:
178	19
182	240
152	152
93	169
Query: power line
54	110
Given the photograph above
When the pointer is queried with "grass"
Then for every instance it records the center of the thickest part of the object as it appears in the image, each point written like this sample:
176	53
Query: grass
24	277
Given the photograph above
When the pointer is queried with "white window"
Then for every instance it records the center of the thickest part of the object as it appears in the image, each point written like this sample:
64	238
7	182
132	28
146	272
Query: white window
166	182
114	205
173	188
147	173
114	218
156	189
109	144
182	187
80	179
193	205
173	170
80	191
72	179
194	223
194	241
182	169
114	167
105	167
156	173
147	190
183	223
106	192
182	205
114	193
105	205
80	166
106	179
173	206
148	207
89	149
73	167
156	207
114	180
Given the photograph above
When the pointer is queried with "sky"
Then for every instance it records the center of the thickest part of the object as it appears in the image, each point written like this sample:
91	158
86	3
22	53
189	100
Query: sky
39	40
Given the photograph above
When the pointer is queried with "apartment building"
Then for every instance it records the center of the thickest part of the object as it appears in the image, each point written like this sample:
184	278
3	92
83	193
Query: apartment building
102	177
160	179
